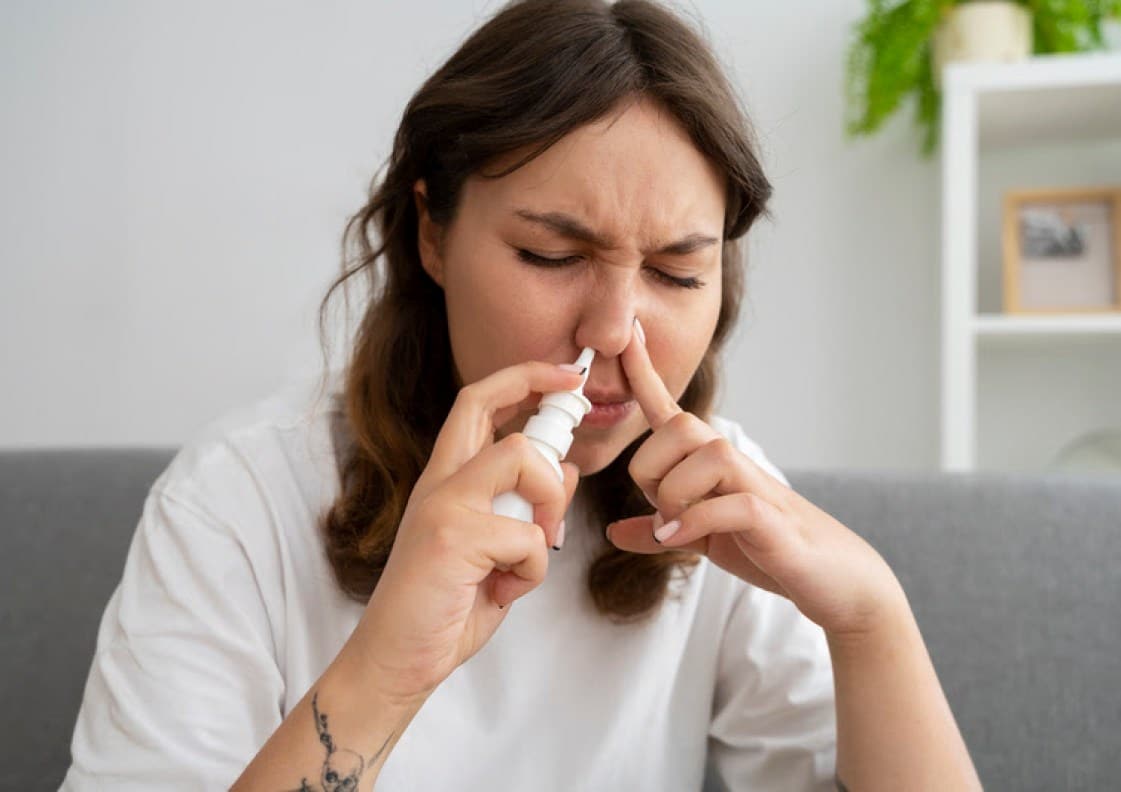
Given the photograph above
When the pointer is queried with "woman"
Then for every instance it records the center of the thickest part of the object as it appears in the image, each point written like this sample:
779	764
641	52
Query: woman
577	174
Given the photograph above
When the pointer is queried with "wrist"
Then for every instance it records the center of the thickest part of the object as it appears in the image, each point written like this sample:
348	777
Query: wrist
372	685
887	622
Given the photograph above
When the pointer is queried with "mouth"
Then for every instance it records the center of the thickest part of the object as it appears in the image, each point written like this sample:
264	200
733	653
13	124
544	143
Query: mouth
604	397
608	408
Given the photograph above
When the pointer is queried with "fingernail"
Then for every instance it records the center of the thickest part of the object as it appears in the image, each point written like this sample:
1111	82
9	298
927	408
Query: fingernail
666	531
560	537
572	367
638	329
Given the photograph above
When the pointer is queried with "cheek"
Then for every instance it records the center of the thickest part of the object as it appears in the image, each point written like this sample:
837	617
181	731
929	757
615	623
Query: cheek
524	315
679	343
502	313
528	304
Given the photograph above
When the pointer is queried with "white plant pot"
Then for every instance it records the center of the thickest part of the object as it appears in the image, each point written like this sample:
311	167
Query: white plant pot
1111	32
992	30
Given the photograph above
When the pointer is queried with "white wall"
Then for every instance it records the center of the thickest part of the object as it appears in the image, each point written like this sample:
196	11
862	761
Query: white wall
177	176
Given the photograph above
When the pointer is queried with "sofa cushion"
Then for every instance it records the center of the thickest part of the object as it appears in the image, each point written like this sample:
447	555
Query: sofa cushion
1014	581
1012	577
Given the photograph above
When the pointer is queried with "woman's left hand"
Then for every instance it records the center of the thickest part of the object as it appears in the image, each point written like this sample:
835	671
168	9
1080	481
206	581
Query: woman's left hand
744	519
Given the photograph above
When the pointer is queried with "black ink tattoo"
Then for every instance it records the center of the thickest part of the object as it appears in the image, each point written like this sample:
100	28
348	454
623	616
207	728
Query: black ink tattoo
342	768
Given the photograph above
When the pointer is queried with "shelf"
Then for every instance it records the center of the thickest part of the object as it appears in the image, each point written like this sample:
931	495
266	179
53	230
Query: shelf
1001	325
1042	100
1016	386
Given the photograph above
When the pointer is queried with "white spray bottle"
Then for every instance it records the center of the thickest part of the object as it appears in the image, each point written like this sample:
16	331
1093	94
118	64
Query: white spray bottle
550	431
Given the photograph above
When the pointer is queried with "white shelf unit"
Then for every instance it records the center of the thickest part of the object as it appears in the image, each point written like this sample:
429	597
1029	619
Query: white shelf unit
989	109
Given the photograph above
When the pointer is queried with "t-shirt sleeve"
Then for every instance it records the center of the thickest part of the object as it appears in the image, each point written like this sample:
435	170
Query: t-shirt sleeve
184	687
774	721
773	725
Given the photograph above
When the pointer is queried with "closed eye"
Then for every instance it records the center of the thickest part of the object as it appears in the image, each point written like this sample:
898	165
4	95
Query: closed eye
665	277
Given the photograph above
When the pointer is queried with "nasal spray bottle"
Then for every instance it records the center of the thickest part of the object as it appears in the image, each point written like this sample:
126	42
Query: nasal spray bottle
550	430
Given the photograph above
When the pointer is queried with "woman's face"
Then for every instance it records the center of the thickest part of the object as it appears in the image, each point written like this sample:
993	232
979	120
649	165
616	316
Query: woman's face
638	184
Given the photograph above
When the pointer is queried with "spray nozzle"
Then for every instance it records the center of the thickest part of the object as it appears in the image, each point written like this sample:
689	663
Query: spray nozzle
585	360
561	412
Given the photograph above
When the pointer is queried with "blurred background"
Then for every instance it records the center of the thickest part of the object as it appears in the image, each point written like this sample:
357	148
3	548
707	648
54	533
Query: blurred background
177	177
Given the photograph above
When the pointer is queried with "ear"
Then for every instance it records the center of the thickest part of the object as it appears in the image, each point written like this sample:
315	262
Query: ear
428	235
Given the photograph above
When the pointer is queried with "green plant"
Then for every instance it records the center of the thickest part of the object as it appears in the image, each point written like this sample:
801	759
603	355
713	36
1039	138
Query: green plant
889	57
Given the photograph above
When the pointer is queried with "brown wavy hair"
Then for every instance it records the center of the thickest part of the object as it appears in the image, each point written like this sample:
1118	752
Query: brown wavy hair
534	72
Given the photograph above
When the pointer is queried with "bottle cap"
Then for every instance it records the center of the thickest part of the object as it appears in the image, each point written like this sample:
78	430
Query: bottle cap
557	434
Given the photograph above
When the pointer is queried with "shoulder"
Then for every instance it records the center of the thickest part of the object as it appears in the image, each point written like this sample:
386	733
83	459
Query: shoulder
740	439
279	440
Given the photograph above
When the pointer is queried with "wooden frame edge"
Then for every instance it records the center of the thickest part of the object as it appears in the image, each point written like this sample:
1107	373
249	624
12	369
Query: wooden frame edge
1011	253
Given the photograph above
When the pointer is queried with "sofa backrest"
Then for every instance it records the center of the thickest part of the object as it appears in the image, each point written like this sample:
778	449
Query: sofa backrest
1014	580
67	518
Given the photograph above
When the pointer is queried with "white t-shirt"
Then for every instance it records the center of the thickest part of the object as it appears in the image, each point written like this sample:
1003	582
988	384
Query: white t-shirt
227	612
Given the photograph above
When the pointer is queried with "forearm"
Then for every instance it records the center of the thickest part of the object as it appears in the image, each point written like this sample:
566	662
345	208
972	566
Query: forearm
356	732
895	729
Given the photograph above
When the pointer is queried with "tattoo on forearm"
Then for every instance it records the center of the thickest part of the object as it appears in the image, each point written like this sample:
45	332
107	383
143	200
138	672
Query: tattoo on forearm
343	767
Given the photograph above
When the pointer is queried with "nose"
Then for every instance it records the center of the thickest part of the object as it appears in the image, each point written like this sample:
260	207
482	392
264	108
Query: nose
607	318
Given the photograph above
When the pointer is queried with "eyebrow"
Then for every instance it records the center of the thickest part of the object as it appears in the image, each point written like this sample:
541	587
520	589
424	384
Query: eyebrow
568	226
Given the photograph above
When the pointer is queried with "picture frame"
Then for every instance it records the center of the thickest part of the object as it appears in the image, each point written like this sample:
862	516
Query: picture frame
1062	250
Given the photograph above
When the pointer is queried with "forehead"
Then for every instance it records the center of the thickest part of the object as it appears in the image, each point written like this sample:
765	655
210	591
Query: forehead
635	176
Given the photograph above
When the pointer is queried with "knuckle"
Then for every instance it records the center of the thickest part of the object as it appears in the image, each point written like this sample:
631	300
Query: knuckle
434	515
534	544
692	425
750	503
757	507
468	394
670	505
722	449
681	421
536	536
516	443
442	539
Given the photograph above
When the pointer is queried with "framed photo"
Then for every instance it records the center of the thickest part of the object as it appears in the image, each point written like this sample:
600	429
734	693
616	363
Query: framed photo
1062	250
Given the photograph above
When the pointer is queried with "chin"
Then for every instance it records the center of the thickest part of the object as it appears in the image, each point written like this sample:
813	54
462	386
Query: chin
589	464
593	457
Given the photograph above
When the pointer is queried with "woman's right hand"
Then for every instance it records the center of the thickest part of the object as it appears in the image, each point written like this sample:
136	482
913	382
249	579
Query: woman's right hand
443	590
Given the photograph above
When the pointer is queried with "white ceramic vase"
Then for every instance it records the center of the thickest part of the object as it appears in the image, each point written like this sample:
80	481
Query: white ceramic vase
985	30
1094	452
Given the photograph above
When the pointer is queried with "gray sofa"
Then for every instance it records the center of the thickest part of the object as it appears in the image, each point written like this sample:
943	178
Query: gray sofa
1015	581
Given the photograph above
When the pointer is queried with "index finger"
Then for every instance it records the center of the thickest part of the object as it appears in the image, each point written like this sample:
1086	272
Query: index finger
471	422
656	402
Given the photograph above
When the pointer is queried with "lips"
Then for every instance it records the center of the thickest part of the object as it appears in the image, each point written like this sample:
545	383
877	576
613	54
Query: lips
605	415
606	396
